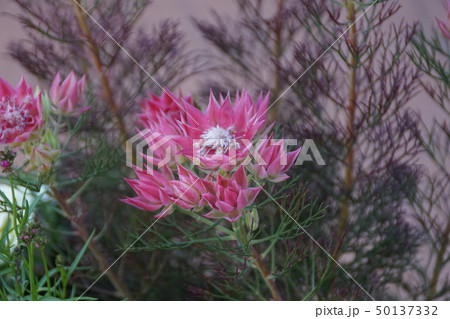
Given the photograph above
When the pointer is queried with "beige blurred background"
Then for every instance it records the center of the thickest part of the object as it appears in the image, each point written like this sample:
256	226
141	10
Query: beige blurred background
423	11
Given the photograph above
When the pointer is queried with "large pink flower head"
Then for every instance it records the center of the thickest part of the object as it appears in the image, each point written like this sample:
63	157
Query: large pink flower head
207	173
445	27
219	138
20	112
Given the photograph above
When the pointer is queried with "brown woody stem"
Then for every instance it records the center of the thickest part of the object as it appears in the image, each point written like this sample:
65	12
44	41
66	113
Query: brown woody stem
351	110
270	282
92	246
93	52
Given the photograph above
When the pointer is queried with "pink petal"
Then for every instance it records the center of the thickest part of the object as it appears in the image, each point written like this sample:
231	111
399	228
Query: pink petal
444	29
224	207
240	177
139	203
213	110
251	194
291	157
23	89
5	88
54	90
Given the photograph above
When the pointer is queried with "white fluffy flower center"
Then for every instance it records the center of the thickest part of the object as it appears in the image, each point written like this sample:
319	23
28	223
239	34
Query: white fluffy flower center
217	139
14	117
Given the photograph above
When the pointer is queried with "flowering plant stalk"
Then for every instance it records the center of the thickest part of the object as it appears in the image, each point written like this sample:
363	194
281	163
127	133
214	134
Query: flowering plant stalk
207	162
30	123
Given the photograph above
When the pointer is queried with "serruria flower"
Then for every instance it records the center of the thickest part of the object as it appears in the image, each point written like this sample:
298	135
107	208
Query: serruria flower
161	117
229	197
188	190
445	27
67	95
20	112
158	111
272	161
165	190
217	138
154	192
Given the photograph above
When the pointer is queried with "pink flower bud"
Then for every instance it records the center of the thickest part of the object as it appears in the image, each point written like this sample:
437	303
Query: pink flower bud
66	95
41	158
5	164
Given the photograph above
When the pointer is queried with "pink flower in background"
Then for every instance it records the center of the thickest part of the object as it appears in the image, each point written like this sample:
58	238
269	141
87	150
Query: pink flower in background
273	161
445	27
66	95
217	138
20	112
229	197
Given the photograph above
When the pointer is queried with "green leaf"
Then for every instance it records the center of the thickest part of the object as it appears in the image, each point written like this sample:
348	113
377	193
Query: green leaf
77	259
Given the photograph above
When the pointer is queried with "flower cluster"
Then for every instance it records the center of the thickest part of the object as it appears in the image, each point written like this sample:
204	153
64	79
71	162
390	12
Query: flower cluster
207	160
24	125
32	236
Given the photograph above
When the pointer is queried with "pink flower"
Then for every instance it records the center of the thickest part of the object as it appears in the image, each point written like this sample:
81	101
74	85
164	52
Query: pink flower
272	160
66	95
188	190
228	197
445	28
20	112
163	190
158	112
154	192
161	118
218	137
209	144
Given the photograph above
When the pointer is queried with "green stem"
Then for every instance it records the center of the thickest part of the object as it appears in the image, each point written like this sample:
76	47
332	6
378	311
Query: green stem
31	272
14	206
207	221
44	261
